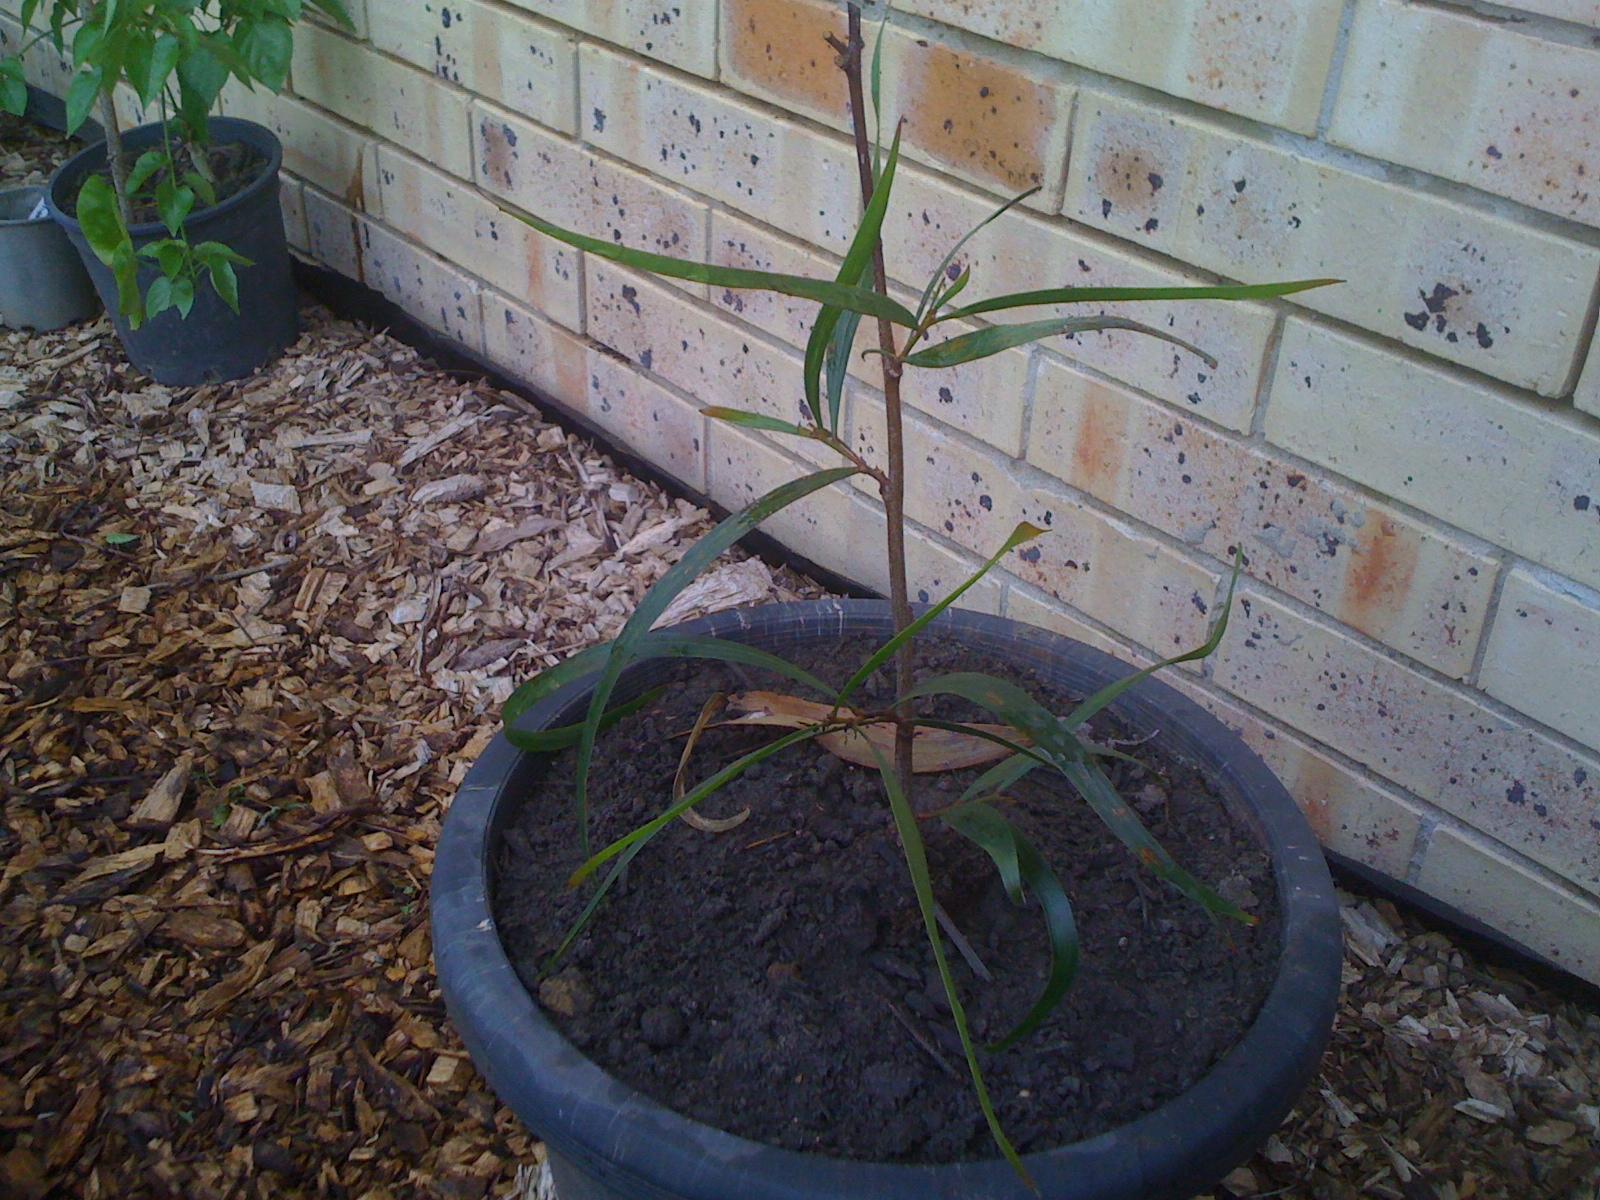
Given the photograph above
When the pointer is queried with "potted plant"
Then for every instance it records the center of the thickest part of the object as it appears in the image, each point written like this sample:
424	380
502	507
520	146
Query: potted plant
178	221
778	1002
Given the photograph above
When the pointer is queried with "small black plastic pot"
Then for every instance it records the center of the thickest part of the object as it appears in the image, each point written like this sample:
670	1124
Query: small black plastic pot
608	1142
213	343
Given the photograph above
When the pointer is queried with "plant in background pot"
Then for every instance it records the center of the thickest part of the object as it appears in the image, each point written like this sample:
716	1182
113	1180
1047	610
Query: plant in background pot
775	1012
42	281
169	216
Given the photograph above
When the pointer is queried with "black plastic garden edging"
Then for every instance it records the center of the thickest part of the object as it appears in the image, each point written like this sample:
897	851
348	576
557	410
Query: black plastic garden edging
212	343
608	1142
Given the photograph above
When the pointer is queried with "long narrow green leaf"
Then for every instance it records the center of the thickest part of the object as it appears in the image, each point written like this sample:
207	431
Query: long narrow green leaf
1111	295
1018	860
854	299
593	905
1111	691
955	289
683	572
875	86
981	343
546	741
706	788
1024	532
661	644
905	821
836	366
752	420
1005	773
1060	745
937	277
851	272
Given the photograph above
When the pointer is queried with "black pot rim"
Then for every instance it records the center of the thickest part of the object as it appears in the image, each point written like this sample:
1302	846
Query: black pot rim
90	158
595	1121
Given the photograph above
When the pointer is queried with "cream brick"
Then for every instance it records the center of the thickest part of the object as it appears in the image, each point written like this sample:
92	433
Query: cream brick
1106	569
1026	604
1266	59
984	398
644	417
1478	878
976	116
1587	397
394	101
1544	653
355	9
741	467
332	233
670	31
964	493
933	570
320	149
1437	741
457	221
424	285
1021	252
495	53
1486	292
1507	112
291	198
1325	543
1521	475
543	355
711	142
571	187
707	356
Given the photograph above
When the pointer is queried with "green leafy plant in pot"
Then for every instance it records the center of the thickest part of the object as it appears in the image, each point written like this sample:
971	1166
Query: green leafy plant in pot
1181	1148
177	220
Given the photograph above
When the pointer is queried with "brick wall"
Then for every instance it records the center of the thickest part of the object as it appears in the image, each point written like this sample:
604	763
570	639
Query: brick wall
1411	460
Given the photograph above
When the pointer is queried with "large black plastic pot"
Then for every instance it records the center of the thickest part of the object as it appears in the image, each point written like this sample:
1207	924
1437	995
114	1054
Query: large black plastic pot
213	343
607	1141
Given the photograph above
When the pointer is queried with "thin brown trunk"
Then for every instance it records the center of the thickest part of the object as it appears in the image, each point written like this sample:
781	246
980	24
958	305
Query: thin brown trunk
893	488
119	168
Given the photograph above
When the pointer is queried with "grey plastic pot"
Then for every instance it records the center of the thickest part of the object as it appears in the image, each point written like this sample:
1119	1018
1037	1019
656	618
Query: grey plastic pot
608	1142
213	343
42	281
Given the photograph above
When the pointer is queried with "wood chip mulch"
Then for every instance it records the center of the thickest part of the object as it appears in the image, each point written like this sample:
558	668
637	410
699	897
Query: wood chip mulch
251	638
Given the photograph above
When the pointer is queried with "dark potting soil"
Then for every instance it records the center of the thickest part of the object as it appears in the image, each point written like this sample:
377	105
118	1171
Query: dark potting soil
234	167
775	981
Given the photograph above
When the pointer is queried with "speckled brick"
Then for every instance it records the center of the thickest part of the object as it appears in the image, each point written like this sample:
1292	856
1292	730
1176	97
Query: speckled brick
541	354
332	233
706	355
1351	814
566	184
357	12
730	149
320	149
741	467
1106	569
1587	396
1437	741
681	33
423	284
1544	653
1020	252
984	398
42	66
291	196
964	493
1522	475
1494	295
933	570
1481	879
1364	562
460	223
495	53
1266	59
642	416
974	115
395	101
1510	113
